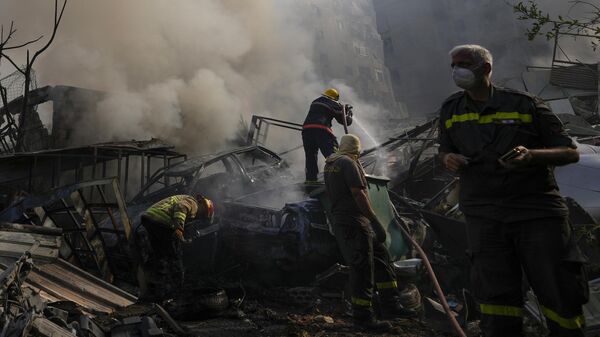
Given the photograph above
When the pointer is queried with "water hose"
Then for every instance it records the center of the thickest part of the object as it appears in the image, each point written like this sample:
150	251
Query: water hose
433	278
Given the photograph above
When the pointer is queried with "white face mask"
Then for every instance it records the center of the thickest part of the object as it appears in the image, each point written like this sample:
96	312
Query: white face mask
463	77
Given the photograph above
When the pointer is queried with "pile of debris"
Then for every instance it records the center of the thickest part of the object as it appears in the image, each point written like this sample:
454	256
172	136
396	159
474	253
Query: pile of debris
72	248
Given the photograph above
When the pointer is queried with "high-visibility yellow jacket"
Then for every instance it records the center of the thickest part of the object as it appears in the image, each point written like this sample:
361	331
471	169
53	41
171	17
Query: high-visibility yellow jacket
173	211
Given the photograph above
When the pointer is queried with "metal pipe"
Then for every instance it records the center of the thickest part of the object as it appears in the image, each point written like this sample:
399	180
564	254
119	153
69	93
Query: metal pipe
276	120
119	168
126	177
142	173
160	311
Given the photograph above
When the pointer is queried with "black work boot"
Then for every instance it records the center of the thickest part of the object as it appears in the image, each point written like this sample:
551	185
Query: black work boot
391	307
364	318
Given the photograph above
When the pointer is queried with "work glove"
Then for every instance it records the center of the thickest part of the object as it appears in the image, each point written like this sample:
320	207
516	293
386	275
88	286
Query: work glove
349	112
380	234
179	234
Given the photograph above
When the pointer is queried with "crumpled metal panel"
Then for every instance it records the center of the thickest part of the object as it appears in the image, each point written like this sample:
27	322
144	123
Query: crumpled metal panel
591	310
583	76
56	279
61	281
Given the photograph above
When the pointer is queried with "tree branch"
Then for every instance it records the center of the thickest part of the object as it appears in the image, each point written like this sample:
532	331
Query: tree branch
23	44
587	26
11	31
12	62
57	19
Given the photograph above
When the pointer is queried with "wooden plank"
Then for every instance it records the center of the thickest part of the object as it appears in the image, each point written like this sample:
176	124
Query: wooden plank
44	240
44	327
12	227
122	209
16	250
14	244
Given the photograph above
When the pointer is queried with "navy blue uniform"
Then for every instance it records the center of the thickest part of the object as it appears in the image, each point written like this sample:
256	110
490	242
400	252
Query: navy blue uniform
317	134
516	219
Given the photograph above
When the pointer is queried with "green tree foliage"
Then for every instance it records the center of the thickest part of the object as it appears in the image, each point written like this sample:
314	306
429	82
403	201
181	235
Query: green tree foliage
542	24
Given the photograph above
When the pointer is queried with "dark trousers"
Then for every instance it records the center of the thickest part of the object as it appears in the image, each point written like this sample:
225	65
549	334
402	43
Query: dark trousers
545	250
314	140
369	260
165	265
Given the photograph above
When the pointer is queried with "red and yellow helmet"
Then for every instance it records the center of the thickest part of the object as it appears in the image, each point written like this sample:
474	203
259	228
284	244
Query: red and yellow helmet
209	207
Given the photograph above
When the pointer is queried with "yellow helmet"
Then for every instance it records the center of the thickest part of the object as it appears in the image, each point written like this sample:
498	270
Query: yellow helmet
332	93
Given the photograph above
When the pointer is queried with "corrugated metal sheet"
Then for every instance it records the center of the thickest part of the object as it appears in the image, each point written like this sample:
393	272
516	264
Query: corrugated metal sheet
583	76
54	278
61	280
576	126
15	239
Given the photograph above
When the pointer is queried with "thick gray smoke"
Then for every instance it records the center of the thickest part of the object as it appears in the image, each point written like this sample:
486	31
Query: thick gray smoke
182	71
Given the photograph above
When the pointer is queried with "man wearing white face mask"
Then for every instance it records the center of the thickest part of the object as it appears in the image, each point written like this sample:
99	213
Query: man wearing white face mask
504	144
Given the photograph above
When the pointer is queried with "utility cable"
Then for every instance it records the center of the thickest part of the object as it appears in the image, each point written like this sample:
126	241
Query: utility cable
432	276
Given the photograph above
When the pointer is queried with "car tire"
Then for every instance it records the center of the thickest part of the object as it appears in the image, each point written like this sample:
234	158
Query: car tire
198	305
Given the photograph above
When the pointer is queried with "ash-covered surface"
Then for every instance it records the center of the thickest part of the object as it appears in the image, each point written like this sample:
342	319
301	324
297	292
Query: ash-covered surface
268	318
260	312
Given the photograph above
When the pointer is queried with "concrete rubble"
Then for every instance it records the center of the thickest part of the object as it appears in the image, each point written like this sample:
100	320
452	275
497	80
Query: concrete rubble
71	245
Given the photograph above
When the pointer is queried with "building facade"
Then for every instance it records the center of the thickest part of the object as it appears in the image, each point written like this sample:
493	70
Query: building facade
348	47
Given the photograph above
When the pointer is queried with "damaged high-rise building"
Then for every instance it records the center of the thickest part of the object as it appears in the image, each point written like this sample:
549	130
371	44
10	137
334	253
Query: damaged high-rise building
349	48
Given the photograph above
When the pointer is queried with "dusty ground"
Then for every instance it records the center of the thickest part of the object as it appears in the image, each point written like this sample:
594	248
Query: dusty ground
275	319
271	318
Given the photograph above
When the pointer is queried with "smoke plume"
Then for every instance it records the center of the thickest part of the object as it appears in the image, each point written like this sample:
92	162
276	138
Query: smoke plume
181	71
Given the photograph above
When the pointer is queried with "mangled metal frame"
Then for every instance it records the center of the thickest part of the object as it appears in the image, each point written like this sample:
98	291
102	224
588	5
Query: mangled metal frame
189	171
36	172
78	209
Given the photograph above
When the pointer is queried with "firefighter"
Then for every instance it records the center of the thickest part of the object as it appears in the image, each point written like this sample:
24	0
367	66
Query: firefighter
316	130
164	222
504	144
361	238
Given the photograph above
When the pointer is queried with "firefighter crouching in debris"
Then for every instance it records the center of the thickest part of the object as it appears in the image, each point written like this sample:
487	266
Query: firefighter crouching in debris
165	222
316	130
504	144
360	236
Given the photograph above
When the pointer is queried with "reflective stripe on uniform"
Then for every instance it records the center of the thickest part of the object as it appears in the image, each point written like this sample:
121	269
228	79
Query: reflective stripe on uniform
159	215
501	310
489	119
361	302
572	323
387	285
180	216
